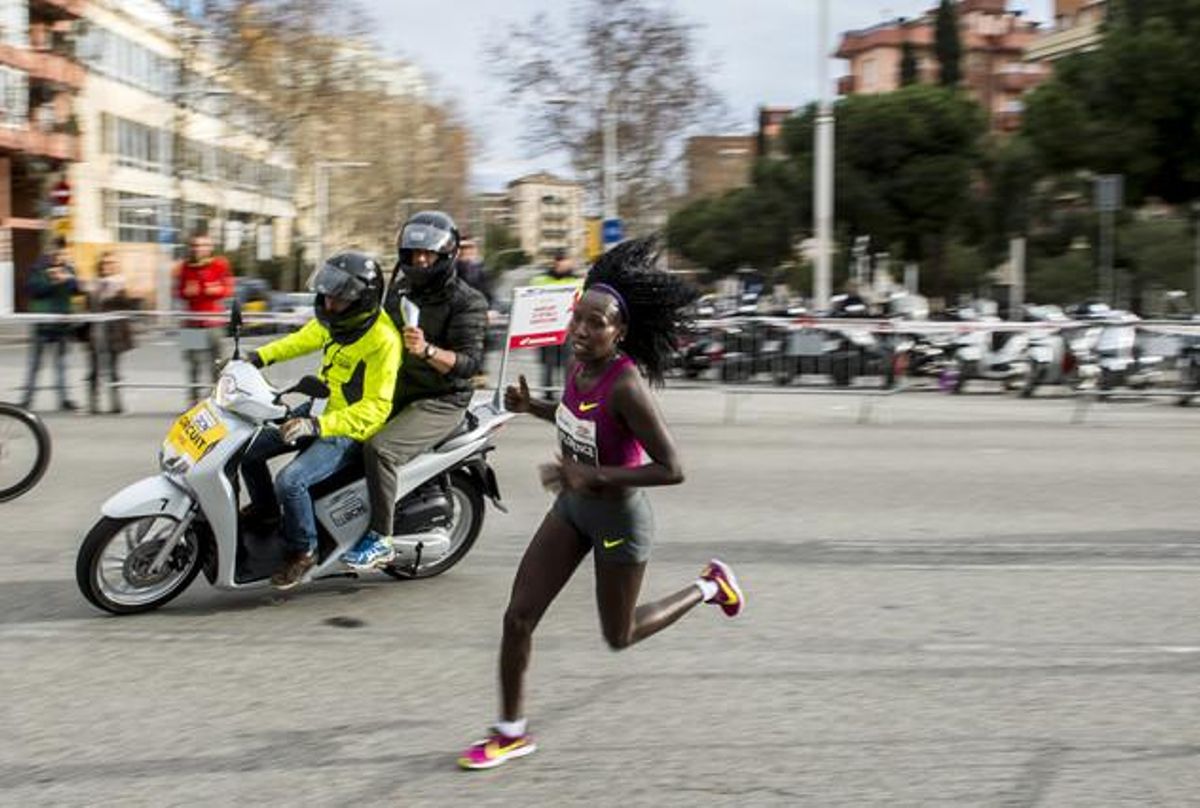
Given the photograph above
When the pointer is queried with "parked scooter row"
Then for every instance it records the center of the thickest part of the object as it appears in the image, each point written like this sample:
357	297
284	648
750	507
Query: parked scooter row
1106	354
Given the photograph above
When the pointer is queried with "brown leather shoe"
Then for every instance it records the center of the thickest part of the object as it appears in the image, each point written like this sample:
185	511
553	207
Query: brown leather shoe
293	570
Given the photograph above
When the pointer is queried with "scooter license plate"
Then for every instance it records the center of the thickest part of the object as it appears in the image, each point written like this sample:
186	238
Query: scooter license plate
196	431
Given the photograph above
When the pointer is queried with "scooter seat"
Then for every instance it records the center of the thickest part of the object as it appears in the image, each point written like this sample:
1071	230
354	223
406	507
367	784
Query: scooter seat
467	424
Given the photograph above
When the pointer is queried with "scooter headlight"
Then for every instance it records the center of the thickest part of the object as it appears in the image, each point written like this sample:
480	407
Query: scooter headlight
227	392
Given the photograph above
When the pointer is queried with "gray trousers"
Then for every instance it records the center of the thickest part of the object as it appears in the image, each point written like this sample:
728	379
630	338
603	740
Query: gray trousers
414	429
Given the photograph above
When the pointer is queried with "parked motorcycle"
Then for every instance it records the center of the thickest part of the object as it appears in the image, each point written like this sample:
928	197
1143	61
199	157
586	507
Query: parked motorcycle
1121	361
996	355
1188	364
156	535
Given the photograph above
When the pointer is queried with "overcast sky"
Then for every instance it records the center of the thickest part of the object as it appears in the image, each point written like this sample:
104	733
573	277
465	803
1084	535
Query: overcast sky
765	51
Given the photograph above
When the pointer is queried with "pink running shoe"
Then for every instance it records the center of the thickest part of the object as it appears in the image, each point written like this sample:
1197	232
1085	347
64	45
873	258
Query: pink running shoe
495	750
729	595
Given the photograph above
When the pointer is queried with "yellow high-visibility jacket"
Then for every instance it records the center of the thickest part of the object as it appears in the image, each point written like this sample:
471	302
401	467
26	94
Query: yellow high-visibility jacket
361	375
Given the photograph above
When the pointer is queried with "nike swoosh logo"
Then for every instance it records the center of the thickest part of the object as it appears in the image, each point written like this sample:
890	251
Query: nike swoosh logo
730	596
609	544
589	407
494	750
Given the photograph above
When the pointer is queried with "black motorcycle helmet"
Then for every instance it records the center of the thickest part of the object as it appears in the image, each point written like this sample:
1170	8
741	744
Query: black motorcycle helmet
355	278
428	230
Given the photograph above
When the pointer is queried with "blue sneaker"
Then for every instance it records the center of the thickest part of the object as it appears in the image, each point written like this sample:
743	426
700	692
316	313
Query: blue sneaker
370	552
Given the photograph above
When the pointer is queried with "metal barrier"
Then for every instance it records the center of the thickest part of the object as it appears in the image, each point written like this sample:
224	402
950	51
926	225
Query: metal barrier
187	338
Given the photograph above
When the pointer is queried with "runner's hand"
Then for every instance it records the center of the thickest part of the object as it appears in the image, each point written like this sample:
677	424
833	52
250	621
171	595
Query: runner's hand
577	476
517	399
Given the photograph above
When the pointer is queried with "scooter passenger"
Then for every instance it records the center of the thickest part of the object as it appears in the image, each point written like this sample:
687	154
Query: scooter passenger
360	362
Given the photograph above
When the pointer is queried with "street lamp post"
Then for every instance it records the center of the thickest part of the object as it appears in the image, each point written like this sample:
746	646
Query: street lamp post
322	169
610	158
823	158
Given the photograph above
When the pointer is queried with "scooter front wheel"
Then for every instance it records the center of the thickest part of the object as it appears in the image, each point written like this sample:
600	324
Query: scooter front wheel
114	572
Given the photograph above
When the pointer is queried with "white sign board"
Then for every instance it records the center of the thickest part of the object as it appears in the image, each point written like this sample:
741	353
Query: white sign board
540	315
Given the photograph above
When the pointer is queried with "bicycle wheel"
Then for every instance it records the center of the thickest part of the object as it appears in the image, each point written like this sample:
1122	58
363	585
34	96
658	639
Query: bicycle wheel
24	451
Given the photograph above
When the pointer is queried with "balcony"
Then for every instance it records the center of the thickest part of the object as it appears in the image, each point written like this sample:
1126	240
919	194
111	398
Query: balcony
56	9
1020	82
44	66
55	145
846	85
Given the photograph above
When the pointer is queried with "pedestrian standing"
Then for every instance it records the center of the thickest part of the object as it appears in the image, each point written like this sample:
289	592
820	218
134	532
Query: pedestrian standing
108	339
613	443
203	282
554	357
52	284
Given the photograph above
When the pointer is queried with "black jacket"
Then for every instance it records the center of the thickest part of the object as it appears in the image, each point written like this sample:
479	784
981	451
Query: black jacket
453	317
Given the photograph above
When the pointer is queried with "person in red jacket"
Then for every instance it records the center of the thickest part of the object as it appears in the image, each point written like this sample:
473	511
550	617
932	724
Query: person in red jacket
203	282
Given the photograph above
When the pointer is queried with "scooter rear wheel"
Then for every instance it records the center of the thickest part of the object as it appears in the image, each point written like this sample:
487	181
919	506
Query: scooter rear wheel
465	526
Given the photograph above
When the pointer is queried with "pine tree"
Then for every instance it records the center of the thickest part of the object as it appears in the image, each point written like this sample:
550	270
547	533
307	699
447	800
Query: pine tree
908	66
947	44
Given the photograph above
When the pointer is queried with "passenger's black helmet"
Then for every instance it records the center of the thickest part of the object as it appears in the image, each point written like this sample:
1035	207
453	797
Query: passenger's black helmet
428	230
353	277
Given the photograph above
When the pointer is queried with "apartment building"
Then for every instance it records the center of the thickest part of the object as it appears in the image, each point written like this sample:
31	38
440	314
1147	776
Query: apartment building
169	149
547	215
994	41
1077	28
718	163
39	79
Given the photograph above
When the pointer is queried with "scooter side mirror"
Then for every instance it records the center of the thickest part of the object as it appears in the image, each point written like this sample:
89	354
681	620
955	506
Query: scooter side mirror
235	327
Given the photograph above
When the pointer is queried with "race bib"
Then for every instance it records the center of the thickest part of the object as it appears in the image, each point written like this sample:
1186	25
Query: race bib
576	437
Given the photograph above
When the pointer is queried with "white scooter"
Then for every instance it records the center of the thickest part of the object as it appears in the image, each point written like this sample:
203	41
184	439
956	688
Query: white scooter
998	355
157	534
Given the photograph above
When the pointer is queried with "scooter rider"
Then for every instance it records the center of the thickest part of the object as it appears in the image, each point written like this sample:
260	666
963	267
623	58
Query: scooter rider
361	360
442	351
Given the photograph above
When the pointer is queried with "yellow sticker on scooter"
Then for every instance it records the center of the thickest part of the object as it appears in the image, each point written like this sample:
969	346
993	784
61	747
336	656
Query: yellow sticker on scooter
197	431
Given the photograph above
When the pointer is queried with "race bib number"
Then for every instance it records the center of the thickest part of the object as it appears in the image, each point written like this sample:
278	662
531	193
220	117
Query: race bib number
576	437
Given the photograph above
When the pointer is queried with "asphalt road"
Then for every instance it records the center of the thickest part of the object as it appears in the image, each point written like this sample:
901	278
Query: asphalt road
969	601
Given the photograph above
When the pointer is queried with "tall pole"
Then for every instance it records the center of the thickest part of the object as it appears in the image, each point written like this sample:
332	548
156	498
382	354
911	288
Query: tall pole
1196	264
1107	286
610	158
823	157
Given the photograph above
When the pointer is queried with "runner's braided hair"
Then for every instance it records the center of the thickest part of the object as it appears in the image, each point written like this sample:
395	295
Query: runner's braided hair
655	303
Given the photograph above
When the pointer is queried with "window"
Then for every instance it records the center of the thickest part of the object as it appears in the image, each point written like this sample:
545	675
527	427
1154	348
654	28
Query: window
14	23
14	97
140	219
118	58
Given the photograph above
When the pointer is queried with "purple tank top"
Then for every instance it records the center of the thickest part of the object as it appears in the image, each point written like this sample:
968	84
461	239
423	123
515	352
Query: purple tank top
587	430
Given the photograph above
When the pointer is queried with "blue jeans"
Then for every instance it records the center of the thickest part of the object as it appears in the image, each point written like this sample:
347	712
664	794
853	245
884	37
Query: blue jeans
47	335
317	460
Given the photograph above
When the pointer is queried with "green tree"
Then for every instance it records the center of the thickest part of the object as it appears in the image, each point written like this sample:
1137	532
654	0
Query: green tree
905	166
1131	107
503	250
909	73
906	161
1156	254
947	44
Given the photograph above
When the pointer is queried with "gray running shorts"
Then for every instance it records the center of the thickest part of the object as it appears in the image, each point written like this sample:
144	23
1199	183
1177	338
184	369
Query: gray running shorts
620	530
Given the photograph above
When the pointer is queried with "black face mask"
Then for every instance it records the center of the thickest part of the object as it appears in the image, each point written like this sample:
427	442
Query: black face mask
421	279
430	278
